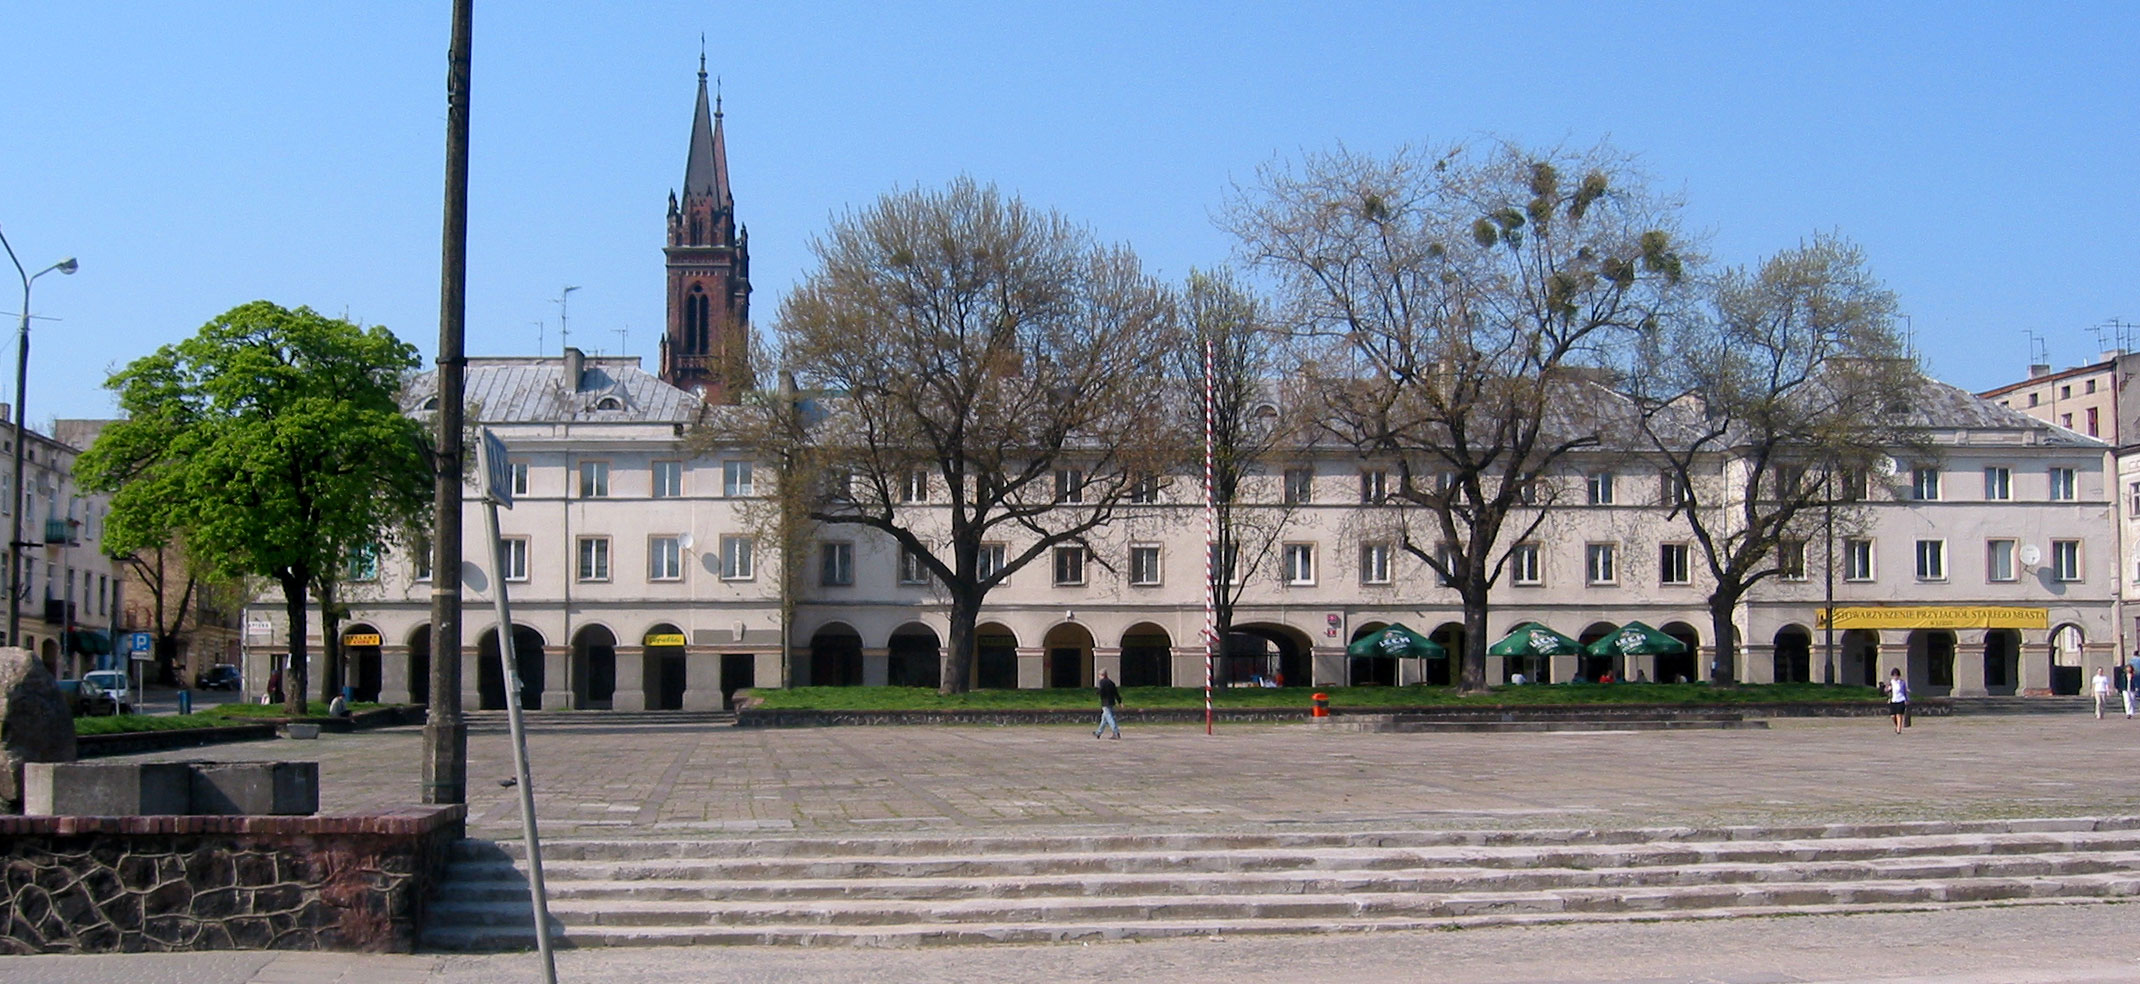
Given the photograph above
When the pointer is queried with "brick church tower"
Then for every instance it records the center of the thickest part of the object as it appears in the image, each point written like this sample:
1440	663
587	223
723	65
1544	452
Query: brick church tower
707	346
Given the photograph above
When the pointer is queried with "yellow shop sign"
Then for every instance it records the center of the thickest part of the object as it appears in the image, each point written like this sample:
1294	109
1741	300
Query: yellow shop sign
1939	617
665	639
361	639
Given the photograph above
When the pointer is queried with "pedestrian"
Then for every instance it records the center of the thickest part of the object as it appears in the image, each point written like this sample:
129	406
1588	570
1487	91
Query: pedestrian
1898	699
2101	687
274	692
1109	699
2129	690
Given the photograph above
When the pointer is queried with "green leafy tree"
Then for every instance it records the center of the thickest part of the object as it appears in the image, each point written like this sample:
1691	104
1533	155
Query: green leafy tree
271	443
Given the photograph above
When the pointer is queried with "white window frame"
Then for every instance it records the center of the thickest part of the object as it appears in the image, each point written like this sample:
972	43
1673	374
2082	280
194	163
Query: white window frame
2002	560
738	560
836	564
1998	483
1146	564
914	488
665	558
990	559
1674	564
363	565
1599	487
1931	560
1297	564
2066	560
1791	560
519	471
594	479
1144	491
2065	484
668	477
1858	560
1070	486
592	553
1523	565
1601	563
1925	483
1298	486
1374	486
1069	564
736	481
1375	562
516	558
912	569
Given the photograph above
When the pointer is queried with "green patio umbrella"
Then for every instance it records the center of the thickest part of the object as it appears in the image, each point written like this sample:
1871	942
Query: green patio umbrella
1396	640
1533	639
1636	639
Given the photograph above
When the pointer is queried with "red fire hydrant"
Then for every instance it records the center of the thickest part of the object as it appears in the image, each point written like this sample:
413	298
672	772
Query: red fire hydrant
1322	706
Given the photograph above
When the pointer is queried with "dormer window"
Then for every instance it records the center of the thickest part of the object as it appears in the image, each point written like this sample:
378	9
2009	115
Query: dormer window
430	403
609	403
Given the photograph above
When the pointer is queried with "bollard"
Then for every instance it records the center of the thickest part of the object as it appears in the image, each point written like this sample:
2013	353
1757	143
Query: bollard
1322	706
185	702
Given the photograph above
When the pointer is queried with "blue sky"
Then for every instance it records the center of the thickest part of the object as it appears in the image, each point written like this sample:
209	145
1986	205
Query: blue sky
196	156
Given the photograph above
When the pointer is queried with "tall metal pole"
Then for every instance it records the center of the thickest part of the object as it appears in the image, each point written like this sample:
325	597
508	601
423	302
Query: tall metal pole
509	661
445	730
1828	614
1211	542
22	383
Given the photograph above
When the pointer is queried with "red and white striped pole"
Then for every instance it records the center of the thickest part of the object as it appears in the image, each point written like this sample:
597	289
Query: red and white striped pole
1211	542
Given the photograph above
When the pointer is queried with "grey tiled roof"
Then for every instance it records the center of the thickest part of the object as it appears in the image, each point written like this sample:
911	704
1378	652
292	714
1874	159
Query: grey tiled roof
1942	406
532	390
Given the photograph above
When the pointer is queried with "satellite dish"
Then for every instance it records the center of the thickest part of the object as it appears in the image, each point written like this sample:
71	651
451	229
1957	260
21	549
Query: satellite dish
1886	466
2030	555
685	541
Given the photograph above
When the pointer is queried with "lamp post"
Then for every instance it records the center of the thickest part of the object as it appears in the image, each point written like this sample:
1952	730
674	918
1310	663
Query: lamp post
22	378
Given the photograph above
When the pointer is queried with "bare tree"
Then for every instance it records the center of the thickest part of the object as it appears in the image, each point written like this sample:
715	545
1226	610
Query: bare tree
986	374
1461	296
1794	380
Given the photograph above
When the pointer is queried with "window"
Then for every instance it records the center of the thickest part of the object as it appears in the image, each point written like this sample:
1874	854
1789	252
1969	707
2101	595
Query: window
1446	554
420	557
1791	560
1299	559
1145	490
2088	387
989	560
363	563
836	563
1601	563
2062	485
1374	486
1069	566
1143	564
1374	563
2065	420
736	560
664	559
1931	560
2066	560
1230	568
2132	493
2093	421
912	569
735	479
1672	563
1855	485
594	479
594	558
1924	484
1670	490
2035	399
915	488
1601	489
1999	560
1523	564
1070	487
1857	560
516	558
2065	392
1790	481
668	479
1998	483
520	477
1299	486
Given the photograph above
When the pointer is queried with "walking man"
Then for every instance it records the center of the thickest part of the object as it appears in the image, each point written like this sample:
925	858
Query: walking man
1109	699
2101	687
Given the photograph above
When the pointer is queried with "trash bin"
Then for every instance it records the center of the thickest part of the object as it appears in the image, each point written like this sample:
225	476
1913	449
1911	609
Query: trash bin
349	695
185	702
1322	706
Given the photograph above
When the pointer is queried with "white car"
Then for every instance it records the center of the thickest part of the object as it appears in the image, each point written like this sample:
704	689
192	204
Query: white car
113	684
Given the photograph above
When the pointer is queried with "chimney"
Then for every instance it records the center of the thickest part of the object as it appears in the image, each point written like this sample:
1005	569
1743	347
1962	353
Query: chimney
2039	369
575	364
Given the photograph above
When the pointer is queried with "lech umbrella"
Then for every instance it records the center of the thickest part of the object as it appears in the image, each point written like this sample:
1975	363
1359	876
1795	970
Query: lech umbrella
1533	639
1396	641
1636	639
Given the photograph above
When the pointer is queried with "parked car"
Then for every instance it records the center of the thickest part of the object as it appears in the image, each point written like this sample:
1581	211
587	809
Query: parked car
222	676
113	696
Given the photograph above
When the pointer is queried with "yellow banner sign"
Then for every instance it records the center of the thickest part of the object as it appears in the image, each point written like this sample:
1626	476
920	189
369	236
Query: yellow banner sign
665	639
361	639
1939	617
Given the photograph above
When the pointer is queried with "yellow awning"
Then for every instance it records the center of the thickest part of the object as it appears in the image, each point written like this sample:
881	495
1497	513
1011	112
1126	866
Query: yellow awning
1938	617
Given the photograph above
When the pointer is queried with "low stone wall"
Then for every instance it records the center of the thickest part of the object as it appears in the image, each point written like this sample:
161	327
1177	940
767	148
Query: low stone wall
161	883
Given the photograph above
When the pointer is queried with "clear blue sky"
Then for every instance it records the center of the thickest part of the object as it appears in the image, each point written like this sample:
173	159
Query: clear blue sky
195	156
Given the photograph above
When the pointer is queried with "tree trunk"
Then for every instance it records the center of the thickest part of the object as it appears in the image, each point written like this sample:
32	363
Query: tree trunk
1724	639
1473	678
960	650
295	675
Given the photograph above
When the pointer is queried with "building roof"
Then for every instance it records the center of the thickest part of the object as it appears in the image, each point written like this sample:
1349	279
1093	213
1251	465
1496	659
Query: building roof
531	389
1944	406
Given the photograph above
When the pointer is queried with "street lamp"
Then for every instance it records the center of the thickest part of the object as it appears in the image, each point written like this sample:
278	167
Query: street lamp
22	379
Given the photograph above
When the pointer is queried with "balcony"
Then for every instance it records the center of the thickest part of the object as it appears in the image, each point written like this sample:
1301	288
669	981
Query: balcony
63	532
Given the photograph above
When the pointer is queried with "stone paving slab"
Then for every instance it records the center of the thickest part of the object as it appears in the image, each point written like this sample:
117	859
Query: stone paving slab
712	781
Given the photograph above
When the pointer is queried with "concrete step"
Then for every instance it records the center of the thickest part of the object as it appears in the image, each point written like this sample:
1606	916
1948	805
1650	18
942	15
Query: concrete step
496	722
1429	726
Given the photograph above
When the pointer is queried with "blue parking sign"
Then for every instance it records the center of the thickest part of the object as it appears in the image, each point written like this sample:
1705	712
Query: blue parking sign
140	642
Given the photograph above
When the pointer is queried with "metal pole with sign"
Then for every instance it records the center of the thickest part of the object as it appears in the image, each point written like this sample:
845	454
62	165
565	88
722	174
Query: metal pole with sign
497	492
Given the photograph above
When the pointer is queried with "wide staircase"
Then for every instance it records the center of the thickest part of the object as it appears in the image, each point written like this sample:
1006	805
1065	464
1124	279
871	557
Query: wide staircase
897	891
495	722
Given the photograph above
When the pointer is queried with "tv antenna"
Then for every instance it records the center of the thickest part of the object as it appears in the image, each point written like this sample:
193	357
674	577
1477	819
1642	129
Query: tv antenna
2039	349
541	332
564	334
2119	330
623	338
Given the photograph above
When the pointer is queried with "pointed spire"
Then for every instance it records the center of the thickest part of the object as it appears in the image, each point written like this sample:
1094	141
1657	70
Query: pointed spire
706	169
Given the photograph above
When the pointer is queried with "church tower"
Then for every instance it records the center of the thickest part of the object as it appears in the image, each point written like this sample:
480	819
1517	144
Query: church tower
707	346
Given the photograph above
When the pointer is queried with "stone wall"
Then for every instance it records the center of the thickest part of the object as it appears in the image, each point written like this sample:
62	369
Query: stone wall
158	883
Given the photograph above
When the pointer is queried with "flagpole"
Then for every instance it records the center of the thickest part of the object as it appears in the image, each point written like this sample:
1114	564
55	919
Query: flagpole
1211	541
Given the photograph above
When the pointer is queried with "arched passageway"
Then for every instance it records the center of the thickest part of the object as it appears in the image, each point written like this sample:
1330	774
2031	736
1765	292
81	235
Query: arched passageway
995	658
594	667
1793	655
1147	656
490	677
913	658
836	657
1682	667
